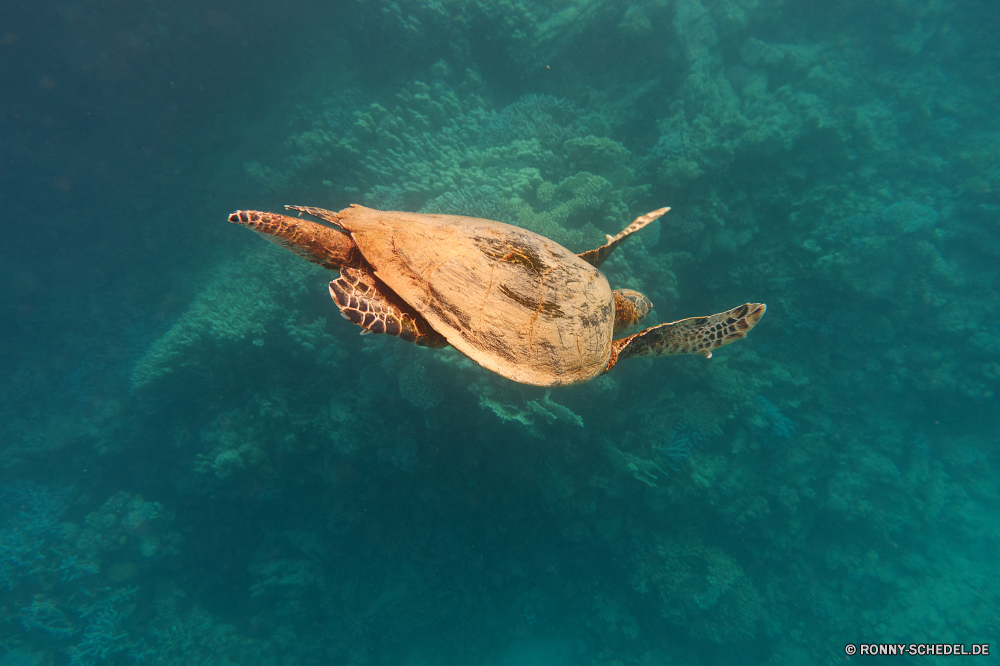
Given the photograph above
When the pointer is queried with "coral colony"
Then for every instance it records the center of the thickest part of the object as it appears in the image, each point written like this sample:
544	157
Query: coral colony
251	482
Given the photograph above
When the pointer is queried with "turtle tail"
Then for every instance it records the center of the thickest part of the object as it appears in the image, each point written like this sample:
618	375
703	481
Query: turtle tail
310	240
696	335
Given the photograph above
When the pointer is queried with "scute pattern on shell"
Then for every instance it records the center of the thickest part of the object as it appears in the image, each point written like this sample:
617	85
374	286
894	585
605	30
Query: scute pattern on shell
519	304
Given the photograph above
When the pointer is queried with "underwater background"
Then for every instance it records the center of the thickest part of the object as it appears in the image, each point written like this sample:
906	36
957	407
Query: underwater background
201	463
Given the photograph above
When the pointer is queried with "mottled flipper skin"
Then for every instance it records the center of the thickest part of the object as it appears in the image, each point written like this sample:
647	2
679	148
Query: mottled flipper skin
597	256
361	297
696	335
516	303
310	240
363	300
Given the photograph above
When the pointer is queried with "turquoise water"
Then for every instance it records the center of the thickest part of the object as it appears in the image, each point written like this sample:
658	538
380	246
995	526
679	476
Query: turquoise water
202	463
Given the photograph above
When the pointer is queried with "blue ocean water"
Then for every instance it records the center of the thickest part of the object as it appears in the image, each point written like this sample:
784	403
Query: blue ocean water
201	463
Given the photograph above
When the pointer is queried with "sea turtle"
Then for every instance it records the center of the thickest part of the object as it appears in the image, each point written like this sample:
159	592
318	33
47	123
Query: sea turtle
511	300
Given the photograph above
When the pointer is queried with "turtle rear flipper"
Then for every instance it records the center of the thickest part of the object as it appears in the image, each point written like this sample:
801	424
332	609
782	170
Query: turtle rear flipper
364	300
597	256
315	242
696	335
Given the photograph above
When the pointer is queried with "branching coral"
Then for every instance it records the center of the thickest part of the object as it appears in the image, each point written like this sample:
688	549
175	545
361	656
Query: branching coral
643	470
533	413
72	604
131	524
873	242
35	546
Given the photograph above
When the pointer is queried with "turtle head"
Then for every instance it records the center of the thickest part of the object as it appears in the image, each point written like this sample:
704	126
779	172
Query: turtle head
631	307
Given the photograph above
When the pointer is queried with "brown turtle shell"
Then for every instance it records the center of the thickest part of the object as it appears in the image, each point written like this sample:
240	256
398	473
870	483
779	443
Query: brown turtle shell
515	302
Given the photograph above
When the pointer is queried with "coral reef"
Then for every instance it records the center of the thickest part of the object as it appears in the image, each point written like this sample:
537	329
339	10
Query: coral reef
245	302
701	589
77	590
232	475
643	470
127	525
533	414
443	149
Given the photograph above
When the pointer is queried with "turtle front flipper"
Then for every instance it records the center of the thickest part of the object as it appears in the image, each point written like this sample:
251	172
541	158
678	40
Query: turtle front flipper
366	301
597	256
696	335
